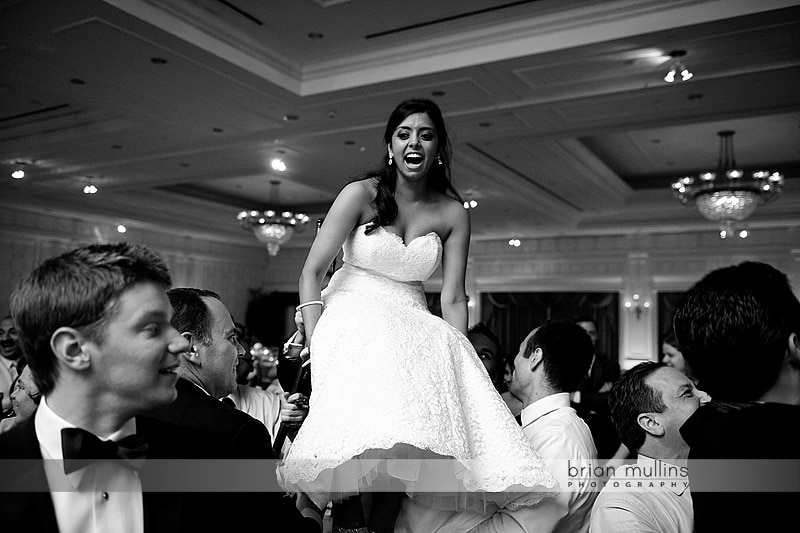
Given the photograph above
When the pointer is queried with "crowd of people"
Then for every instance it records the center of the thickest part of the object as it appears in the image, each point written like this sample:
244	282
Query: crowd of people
411	424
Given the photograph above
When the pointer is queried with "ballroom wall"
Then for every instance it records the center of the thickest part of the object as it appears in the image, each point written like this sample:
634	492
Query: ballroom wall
643	264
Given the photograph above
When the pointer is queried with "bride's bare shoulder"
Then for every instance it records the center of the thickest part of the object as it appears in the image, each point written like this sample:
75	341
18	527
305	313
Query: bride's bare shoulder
362	189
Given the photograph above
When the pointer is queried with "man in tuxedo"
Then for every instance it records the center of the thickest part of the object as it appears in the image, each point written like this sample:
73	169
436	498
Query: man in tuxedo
739	329
207	373
94	326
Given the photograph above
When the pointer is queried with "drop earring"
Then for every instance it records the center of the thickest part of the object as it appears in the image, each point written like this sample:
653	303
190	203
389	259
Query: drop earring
439	159
390	157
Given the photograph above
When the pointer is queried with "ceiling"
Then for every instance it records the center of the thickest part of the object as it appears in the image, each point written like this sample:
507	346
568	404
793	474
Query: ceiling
561	120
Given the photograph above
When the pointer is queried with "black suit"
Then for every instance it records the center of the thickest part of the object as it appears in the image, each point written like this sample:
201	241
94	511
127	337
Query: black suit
236	435
240	435
195	426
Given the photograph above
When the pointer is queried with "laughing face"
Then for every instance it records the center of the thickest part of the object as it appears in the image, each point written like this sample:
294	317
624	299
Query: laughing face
220	356
414	146
9	345
136	361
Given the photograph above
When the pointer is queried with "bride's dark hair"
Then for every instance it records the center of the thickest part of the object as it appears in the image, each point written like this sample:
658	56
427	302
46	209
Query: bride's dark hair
438	175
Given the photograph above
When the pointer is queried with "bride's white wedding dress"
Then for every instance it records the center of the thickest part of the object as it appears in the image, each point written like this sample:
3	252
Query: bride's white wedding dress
398	393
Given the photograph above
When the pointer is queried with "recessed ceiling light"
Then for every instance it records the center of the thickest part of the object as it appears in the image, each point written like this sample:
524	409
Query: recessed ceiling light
18	174
158	60
485	124
216	130
121	229
278	165
290	117
77	81
315	35
349	143
89	189
438	93
695	96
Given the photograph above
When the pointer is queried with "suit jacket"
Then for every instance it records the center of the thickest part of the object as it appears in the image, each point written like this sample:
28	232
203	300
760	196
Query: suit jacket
206	429
233	434
26	504
237	434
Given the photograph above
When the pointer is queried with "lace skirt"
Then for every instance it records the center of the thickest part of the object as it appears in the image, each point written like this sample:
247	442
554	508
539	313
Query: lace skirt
401	402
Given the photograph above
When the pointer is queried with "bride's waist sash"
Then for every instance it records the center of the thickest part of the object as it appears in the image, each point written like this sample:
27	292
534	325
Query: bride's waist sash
350	280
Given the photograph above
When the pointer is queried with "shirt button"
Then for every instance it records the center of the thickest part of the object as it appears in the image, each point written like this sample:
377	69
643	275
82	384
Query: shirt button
104	495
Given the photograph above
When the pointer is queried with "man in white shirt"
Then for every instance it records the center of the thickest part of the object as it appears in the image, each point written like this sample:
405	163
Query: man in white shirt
94	325
649	404
552	360
10	359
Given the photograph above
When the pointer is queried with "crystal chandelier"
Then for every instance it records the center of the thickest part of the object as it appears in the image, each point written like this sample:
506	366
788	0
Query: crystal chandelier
274	226
726	196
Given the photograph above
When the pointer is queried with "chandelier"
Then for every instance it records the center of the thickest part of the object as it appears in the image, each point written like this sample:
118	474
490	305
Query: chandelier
274	226
726	196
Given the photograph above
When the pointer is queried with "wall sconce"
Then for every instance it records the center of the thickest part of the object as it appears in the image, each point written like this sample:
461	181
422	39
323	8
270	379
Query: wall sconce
637	306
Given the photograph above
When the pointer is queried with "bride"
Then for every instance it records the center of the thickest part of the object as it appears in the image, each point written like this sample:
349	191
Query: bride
400	401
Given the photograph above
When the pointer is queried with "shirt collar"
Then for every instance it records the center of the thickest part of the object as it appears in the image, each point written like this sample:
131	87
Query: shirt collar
48	430
682	483
542	406
8	362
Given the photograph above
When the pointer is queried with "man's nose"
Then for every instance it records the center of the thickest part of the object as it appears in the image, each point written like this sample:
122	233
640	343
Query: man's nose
704	397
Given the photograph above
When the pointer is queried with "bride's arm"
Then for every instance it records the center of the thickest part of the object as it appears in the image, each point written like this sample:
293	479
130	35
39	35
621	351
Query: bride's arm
344	215
454	268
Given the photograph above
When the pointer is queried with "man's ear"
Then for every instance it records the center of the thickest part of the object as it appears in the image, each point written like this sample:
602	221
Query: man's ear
793	352
68	345
536	358
190	356
649	423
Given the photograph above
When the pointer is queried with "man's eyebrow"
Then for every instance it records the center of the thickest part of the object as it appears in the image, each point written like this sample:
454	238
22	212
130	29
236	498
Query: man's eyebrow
153	315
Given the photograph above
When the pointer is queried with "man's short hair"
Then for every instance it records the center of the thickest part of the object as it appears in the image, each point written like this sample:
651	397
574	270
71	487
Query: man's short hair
79	289
631	396
482	329
733	328
500	359
190	313
567	353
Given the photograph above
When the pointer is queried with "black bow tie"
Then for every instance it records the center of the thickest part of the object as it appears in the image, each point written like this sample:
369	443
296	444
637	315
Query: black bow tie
81	448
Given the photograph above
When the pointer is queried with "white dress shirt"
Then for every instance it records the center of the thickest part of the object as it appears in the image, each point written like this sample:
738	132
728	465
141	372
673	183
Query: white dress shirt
563	440
262	405
99	498
634	502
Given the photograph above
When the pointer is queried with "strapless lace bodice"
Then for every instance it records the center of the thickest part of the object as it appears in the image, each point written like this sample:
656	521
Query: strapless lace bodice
383	252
